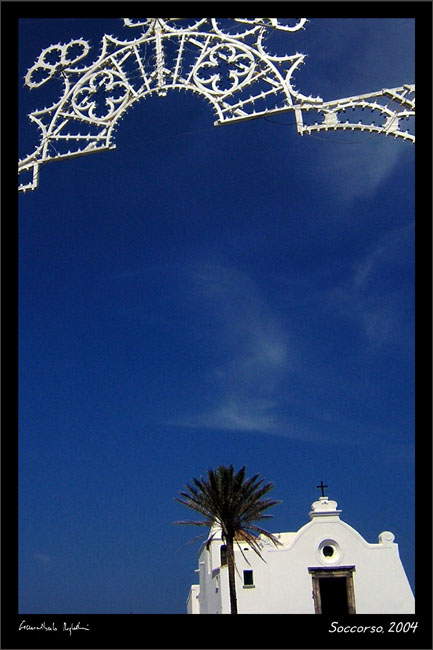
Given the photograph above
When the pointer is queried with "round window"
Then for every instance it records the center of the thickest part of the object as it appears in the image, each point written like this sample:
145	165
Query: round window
328	551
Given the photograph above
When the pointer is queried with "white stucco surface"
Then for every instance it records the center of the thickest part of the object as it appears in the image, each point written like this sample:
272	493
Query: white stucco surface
282	581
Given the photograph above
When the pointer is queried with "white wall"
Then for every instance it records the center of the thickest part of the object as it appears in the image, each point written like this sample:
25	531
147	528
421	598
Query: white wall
283	584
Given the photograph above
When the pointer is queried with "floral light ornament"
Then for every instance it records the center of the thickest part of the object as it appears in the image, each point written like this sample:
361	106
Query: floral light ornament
225	61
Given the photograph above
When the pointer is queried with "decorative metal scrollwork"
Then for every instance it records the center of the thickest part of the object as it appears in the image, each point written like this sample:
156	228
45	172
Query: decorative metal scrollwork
224	60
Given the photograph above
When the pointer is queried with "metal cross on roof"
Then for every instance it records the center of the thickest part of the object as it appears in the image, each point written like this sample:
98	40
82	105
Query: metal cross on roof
322	487
224	60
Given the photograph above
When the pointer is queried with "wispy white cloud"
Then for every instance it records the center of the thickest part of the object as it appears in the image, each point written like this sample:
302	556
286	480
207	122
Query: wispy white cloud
256	380
42	559
233	414
358	168
389	250
251	348
366	296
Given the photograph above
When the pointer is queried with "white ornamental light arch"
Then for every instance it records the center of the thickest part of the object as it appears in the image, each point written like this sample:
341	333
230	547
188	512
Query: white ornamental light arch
223	60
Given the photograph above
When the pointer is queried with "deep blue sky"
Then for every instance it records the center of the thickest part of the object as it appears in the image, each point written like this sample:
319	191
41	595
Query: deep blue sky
208	295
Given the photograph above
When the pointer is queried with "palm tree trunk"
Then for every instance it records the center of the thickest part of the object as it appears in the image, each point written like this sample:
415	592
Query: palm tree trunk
231	570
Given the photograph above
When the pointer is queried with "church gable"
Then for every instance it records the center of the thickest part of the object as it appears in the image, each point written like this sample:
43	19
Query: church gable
325	567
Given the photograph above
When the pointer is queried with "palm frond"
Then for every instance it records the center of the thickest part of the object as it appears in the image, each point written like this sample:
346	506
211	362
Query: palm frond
192	523
227	497
191	541
234	503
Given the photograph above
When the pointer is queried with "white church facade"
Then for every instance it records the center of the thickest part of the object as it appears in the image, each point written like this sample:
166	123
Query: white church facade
325	567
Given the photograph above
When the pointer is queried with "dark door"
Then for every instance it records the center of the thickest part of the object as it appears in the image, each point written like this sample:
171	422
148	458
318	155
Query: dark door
333	596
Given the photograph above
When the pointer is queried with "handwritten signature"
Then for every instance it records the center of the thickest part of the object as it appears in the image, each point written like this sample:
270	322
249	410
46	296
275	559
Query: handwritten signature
43	627
73	628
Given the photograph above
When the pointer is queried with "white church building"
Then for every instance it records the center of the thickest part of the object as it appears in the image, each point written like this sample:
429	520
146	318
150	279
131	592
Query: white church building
326	567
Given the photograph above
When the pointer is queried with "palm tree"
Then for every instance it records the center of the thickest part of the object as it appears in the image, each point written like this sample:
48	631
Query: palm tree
232	503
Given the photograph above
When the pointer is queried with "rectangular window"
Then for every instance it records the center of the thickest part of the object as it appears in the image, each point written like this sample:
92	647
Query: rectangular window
333	590
223	554
248	578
